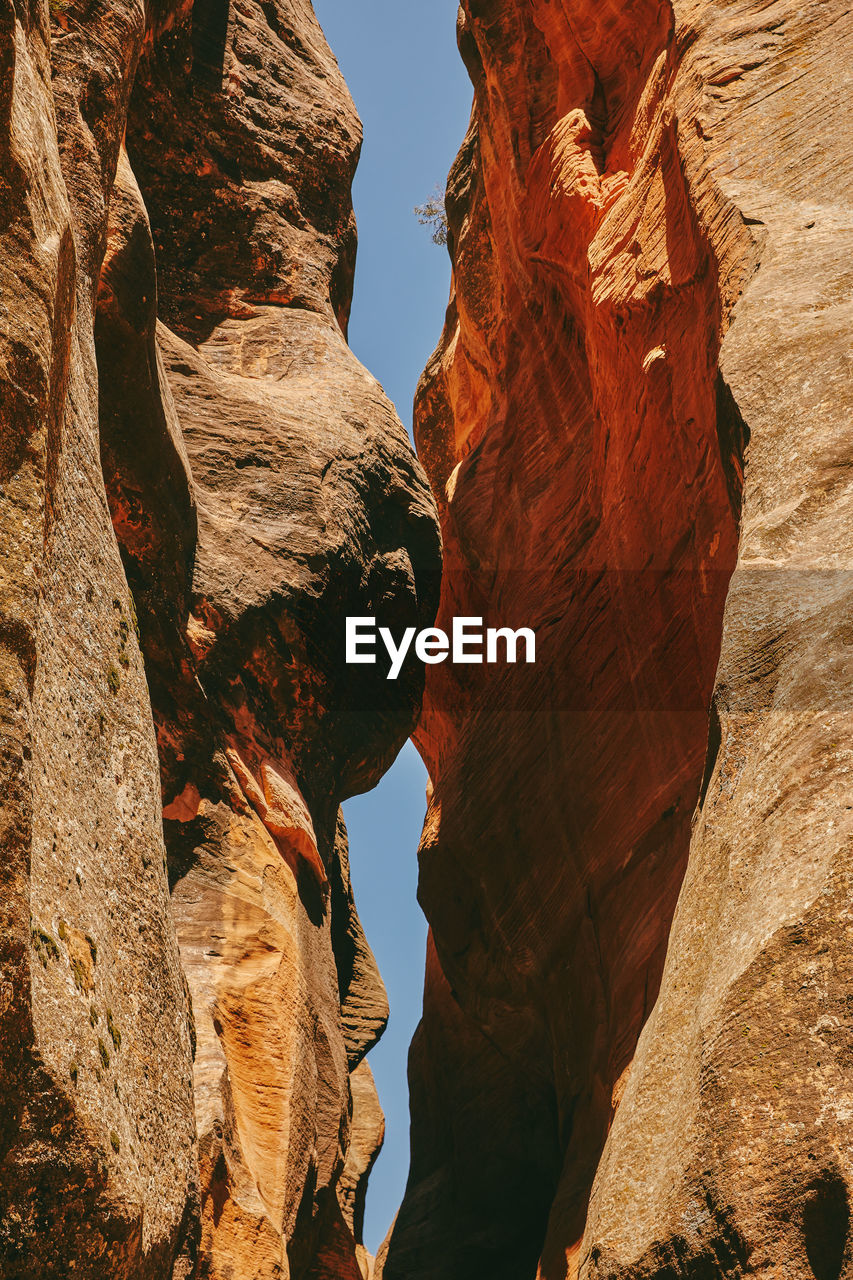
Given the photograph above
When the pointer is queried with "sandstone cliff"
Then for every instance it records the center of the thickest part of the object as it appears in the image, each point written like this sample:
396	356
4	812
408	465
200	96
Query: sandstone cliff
199	481
640	392
97	1136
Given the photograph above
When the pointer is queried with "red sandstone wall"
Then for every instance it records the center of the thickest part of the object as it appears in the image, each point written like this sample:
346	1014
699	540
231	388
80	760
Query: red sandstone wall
641	207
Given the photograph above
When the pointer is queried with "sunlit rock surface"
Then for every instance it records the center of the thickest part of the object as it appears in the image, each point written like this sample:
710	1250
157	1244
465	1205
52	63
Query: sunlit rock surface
192	463
636	426
308	505
640	386
99	1173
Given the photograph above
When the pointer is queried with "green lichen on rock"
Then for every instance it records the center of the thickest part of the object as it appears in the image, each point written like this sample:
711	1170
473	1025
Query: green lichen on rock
115	1034
81	977
45	945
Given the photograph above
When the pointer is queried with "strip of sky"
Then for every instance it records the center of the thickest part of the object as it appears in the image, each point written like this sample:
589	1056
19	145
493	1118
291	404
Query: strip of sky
400	61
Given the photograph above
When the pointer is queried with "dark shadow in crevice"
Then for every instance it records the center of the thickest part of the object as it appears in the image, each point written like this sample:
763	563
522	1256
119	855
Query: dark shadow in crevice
826	1225
209	38
733	437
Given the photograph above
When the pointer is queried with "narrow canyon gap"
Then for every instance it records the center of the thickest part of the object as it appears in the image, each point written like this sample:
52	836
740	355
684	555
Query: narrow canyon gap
414	113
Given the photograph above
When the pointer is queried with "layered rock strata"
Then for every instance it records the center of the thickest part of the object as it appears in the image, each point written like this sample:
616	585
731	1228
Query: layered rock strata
196	471
640	390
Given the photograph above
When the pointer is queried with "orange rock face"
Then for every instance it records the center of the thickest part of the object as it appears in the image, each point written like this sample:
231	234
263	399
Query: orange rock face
649	253
634	1059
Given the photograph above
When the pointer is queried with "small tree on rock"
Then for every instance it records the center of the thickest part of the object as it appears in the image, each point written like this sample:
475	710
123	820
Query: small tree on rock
433	214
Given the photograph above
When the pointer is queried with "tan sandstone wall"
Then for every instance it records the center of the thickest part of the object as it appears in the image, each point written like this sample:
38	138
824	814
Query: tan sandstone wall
199	482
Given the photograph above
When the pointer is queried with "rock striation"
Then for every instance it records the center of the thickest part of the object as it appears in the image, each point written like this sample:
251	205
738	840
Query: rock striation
636	425
97	1133
199	482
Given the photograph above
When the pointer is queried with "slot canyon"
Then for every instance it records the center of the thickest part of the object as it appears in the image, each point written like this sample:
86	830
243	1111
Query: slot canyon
635	1059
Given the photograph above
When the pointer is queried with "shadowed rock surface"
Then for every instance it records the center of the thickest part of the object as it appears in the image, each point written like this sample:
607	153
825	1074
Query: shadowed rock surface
182	416
640	386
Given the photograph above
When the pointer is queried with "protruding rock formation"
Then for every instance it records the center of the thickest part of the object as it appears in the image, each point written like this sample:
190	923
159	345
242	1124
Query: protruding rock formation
261	488
649	232
309	506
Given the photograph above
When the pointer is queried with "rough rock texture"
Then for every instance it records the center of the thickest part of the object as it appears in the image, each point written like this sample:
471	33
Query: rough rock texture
650	240
305	505
739	1099
181	416
99	1173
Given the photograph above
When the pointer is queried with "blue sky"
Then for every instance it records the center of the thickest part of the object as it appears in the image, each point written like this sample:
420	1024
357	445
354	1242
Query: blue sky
400	61
384	829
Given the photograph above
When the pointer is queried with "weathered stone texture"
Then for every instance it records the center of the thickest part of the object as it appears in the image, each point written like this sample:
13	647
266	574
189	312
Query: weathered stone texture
308	506
640	385
739	1095
97	1137
247	479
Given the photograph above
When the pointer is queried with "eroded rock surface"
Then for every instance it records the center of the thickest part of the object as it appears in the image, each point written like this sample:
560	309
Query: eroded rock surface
182	417
309	506
738	1102
649	230
99	1173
